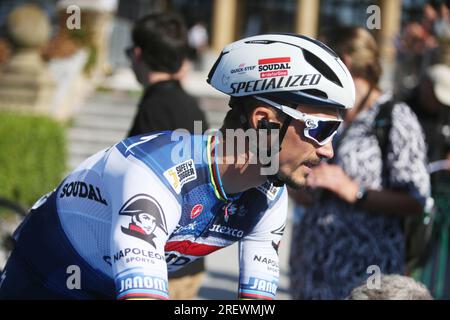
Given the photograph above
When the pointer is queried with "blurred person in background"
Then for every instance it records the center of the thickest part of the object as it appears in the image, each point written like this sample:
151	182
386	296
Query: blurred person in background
422	44
159	61
356	218
442	25
198	41
414	48
430	100
392	287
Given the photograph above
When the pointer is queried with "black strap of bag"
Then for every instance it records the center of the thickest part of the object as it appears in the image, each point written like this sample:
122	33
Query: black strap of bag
381	129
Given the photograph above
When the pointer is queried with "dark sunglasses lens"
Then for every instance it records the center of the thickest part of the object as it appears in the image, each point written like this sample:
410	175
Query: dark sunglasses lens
324	130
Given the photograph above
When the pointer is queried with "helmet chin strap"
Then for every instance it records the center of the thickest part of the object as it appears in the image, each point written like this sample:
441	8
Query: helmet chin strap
264	124
274	178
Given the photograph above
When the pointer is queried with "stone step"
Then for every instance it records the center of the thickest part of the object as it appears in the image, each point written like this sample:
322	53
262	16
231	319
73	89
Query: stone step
117	123
127	105
85	149
78	134
126	112
214	104
113	98
102	122
215	118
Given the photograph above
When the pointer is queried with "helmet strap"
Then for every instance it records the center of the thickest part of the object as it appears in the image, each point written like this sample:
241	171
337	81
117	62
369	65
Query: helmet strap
283	129
273	178
265	124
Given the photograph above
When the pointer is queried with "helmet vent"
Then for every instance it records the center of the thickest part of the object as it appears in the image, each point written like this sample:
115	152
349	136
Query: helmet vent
316	93
214	67
321	66
260	41
317	43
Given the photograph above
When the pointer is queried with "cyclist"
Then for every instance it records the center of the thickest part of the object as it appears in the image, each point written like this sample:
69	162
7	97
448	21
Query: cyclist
129	215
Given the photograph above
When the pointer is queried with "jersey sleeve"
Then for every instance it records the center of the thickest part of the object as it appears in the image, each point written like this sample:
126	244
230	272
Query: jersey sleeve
144	213
258	253
407	160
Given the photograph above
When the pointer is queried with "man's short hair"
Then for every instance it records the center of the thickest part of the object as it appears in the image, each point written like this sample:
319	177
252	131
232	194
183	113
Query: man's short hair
236	117
392	287
241	107
162	38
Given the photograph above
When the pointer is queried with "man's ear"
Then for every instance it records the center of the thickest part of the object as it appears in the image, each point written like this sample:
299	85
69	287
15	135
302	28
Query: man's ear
137	53
262	112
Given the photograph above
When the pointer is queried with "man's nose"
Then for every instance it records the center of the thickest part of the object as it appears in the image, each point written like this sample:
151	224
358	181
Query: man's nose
326	151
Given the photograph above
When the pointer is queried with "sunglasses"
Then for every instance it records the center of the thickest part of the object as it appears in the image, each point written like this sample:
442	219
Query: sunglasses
320	130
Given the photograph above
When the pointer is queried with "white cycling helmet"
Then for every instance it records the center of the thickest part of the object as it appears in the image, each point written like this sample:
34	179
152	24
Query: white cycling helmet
286	67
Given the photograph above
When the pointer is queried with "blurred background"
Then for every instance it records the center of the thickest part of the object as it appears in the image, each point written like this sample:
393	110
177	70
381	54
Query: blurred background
67	89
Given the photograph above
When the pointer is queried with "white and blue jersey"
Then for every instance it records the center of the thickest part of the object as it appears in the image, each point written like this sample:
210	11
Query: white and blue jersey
131	214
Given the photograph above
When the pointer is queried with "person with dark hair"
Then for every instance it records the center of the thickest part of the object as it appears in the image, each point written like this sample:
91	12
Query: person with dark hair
430	100
159	60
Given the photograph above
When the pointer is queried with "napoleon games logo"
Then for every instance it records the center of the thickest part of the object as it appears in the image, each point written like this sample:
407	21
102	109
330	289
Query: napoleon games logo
268	189
146	215
274	67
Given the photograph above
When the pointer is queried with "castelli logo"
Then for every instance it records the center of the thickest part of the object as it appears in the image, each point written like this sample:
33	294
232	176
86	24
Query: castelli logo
196	210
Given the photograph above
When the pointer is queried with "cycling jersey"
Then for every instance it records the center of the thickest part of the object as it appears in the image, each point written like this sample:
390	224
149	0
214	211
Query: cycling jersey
129	215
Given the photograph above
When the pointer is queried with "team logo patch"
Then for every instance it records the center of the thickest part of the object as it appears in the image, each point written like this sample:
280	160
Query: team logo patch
139	285
196	210
259	288
279	232
274	67
84	190
275	245
242	69
146	215
181	174
230	209
269	190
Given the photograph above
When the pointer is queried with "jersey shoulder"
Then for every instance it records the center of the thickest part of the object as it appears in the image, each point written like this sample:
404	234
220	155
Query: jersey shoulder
175	157
271	192
265	195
